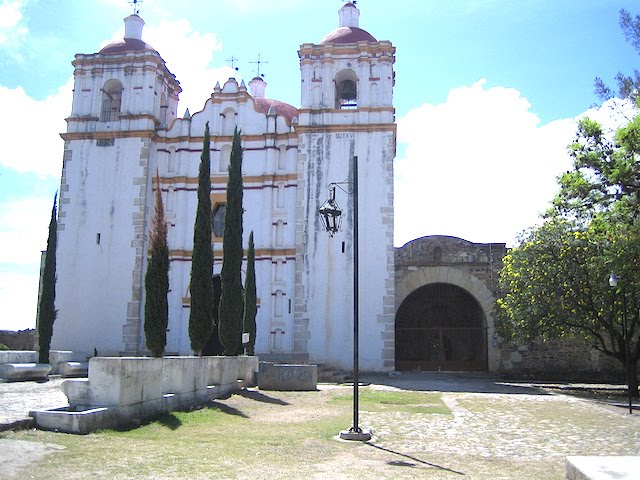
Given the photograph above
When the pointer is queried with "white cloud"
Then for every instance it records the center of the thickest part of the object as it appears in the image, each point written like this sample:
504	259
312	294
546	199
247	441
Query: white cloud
19	299
34	128
12	27
23	235
479	166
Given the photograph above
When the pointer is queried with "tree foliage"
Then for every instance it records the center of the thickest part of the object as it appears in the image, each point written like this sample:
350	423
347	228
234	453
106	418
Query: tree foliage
250	299
46	308
201	314
556	280
231	300
156	281
628	85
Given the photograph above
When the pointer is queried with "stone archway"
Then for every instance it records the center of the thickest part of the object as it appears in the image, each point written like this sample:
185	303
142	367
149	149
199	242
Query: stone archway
444	321
440	326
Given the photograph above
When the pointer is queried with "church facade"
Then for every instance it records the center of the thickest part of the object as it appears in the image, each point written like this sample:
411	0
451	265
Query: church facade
124	130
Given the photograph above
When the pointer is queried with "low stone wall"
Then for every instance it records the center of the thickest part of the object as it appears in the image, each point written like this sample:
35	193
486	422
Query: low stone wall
566	359
125	390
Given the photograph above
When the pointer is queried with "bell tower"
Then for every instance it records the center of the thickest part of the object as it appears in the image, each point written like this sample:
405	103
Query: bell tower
346	111
123	96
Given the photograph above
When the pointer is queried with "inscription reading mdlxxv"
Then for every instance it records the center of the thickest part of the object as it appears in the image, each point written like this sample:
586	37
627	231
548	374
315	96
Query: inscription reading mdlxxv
345	136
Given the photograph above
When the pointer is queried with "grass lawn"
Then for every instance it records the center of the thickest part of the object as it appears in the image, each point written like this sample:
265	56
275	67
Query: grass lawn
271	435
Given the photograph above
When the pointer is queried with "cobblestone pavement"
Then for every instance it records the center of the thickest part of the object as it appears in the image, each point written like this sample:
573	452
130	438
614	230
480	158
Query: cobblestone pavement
18	398
494	419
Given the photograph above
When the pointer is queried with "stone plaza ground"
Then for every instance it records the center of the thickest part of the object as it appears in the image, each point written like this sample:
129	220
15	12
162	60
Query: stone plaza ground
425	426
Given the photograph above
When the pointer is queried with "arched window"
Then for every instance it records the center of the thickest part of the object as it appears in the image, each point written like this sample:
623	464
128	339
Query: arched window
217	219
282	157
279	233
279	300
228	121
225	158
111	101
346	90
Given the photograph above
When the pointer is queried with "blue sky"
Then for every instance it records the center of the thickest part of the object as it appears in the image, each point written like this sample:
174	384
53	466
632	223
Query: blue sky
487	92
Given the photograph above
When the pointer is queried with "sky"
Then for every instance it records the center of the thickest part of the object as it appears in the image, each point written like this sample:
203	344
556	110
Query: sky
487	95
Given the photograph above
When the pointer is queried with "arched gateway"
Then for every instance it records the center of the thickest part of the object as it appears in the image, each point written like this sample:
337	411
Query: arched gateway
445	292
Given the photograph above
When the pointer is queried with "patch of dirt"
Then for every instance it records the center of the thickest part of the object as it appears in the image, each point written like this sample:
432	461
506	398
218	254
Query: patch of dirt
16	454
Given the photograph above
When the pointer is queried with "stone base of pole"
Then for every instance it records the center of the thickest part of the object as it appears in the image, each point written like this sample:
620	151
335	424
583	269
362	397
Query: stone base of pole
359	436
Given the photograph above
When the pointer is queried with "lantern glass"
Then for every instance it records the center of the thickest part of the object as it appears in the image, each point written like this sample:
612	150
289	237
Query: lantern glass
330	215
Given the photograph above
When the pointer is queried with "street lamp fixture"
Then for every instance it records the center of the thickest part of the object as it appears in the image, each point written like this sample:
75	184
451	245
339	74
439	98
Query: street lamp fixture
613	283
330	214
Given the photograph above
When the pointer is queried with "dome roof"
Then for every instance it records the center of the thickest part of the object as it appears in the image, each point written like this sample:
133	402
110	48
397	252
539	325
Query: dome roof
348	35
281	109
127	45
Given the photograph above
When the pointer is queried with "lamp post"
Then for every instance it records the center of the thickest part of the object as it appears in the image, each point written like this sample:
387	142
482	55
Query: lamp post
330	214
613	283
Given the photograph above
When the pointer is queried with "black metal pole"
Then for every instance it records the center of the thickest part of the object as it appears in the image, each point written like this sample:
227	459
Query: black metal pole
626	345
356	317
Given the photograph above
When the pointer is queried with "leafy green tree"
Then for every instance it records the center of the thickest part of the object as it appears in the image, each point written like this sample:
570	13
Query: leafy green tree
628	85
231	301
156	281
201	314
47	309
250	299
556	279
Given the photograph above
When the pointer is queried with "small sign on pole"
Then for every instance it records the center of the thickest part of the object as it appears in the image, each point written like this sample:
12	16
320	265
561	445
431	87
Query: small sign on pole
245	338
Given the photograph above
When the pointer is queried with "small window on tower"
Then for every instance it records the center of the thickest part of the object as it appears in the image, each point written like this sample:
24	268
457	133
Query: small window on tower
217	219
111	101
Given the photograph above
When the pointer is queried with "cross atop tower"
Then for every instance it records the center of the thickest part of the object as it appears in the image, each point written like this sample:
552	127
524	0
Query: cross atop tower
135	3
233	60
259	62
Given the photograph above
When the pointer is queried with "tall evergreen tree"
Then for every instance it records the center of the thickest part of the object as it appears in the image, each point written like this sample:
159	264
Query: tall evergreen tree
250	306
231	301
201	315
47	308
156	281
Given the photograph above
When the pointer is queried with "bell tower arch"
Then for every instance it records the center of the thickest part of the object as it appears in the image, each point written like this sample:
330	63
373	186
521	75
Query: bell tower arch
346	111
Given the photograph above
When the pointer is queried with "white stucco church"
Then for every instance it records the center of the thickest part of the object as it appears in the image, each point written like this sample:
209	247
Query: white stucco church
124	128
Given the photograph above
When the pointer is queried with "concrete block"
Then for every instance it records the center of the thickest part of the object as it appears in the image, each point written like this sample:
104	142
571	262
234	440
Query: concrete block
70	420
125	380
602	468
273	376
24	371
18	356
73	369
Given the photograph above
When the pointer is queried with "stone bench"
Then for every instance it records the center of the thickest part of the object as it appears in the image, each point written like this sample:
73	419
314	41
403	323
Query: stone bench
73	369
15	372
284	376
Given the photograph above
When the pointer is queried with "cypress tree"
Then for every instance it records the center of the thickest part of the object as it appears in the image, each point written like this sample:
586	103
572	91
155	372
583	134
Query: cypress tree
46	308
156	281
250	307
231	301
201	314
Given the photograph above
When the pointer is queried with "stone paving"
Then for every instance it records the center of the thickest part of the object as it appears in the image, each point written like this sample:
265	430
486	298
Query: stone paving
491	419
17	398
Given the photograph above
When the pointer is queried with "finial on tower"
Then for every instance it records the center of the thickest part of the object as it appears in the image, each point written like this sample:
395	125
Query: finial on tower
349	15
135	3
